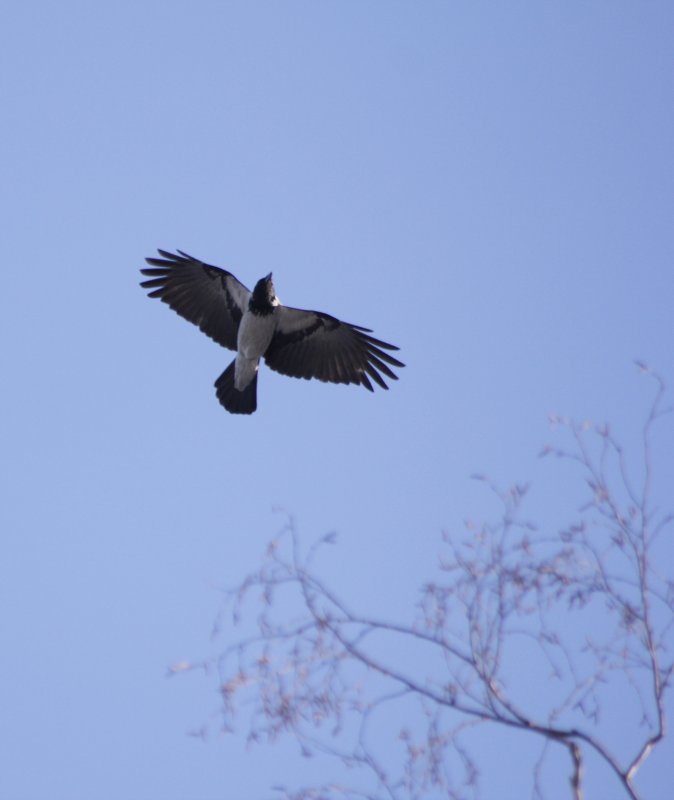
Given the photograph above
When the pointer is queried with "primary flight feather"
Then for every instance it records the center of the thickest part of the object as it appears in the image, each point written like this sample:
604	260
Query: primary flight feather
302	344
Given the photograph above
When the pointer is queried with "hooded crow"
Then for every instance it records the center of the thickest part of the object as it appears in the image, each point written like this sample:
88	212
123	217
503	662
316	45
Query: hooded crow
302	344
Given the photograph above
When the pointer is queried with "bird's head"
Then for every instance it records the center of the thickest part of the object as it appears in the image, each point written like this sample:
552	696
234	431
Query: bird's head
264	297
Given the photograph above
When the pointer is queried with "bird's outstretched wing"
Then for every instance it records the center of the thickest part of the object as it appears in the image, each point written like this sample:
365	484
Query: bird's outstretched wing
208	296
309	344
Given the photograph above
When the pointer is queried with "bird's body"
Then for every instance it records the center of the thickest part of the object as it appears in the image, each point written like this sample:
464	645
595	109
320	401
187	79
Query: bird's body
302	344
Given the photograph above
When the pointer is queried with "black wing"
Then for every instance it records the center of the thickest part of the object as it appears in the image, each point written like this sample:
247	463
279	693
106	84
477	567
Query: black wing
208	296
309	344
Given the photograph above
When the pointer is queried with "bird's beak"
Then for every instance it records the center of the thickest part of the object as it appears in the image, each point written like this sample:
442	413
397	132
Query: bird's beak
268	278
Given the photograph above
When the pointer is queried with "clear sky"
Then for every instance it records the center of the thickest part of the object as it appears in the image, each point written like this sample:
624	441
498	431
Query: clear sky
487	185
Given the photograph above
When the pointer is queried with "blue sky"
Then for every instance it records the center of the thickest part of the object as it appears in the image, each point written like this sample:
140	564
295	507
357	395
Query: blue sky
487	185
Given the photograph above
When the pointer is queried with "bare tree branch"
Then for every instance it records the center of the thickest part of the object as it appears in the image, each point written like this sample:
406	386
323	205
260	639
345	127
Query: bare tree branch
586	606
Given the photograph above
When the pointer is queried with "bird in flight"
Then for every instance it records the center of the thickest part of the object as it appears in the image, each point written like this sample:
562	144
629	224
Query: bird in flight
302	344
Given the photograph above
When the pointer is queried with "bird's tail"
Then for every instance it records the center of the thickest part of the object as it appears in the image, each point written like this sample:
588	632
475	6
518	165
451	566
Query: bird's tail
235	401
